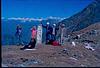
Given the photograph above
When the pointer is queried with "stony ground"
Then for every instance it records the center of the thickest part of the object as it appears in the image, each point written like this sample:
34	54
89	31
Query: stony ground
51	56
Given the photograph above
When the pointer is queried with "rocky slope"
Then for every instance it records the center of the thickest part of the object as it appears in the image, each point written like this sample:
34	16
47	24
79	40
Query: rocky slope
86	17
95	26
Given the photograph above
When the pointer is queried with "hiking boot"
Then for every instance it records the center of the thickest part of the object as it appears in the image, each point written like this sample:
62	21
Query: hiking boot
22	48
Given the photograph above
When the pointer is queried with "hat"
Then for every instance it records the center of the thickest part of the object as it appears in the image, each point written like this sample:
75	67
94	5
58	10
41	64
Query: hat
63	25
54	24
48	23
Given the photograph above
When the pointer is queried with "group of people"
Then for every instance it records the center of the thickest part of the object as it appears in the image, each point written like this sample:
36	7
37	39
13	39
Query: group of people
51	35
50	32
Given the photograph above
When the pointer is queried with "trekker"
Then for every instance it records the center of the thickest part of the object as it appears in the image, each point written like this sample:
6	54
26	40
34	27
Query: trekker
61	33
18	34
48	32
54	33
32	42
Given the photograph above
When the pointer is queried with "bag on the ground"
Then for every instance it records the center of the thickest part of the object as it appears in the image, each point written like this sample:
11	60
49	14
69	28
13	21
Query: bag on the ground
55	43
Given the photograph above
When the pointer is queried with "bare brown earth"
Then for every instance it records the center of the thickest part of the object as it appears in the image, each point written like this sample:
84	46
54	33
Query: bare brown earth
50	56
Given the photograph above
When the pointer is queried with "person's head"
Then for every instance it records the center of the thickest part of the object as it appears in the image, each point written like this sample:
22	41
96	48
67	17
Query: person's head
34	27
48	23
63	25
54	25
18	26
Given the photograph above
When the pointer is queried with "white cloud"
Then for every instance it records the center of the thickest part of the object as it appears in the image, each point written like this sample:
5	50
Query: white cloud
58	18
25	19
33	19
51	17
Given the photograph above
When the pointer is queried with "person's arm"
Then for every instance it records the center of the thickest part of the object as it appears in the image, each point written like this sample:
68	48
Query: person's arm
44	26
16	31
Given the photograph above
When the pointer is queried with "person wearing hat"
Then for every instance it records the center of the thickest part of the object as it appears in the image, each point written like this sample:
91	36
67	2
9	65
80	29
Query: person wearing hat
48	32
61	33
54	32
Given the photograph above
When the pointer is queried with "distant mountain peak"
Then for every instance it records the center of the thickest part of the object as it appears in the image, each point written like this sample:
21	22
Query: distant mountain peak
32	19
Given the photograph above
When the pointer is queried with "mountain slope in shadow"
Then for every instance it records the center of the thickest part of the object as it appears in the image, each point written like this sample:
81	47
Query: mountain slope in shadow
86	17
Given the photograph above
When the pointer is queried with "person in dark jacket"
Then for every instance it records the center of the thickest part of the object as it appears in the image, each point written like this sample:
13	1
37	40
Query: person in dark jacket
54	33
48	32
18	34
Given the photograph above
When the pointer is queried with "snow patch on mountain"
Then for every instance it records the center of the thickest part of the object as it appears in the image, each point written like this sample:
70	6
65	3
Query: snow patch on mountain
22	19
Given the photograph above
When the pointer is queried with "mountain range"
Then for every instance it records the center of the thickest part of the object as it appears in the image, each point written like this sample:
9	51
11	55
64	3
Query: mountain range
88	16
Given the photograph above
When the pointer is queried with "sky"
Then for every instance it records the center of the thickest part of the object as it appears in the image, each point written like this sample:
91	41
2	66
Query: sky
42	8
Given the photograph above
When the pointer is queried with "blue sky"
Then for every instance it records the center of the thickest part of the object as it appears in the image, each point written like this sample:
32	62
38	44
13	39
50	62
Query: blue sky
42	8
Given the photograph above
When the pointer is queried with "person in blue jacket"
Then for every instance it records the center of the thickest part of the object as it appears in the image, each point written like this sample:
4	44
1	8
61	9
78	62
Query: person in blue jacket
49	30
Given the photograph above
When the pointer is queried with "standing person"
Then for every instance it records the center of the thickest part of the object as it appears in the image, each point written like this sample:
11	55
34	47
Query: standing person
18	34
54	33
48	32
32	42
61	33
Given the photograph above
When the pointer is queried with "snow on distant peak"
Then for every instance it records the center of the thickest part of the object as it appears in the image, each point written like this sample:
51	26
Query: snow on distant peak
22	19
59	18
25	19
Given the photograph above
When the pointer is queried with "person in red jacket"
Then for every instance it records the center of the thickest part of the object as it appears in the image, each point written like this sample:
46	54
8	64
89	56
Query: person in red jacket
32	43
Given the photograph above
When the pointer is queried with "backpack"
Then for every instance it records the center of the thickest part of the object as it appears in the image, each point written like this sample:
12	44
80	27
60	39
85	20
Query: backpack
55	43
